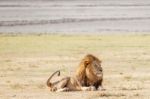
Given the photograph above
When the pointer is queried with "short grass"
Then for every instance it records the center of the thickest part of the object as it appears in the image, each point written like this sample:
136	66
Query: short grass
26	61
64	44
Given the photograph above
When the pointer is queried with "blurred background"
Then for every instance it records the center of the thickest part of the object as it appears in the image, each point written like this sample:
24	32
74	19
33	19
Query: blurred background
74	16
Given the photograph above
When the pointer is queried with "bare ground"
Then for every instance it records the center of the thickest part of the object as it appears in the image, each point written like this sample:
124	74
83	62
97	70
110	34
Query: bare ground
24	69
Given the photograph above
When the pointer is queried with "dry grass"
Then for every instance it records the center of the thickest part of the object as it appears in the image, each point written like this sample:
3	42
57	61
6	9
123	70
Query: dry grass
27	61
16	86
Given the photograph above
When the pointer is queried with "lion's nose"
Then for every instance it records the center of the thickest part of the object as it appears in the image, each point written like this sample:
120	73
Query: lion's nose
100	70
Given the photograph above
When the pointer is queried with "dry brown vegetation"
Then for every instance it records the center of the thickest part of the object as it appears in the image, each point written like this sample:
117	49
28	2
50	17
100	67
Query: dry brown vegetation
27	61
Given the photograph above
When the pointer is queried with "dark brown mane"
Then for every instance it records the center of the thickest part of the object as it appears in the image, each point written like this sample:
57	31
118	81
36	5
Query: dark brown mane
85	73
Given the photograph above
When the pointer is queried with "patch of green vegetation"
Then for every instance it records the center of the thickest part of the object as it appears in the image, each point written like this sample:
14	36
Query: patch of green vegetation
65	44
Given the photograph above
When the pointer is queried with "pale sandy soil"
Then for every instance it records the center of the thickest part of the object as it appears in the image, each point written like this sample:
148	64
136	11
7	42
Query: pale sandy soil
27	61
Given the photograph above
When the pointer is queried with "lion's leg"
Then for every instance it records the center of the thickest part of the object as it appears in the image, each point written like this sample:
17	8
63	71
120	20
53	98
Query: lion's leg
100	88
63	82
90	88
63	89
61	86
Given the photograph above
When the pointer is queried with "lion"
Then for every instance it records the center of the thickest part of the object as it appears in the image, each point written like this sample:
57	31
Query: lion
90	72
66	84
88	77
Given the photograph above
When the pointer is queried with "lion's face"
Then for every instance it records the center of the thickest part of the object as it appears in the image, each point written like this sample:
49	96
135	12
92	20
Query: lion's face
96	68
90	71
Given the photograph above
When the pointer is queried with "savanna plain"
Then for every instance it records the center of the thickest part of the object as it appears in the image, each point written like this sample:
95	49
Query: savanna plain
26	62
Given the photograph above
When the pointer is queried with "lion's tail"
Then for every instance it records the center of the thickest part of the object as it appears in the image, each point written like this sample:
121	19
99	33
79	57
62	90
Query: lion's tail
48	81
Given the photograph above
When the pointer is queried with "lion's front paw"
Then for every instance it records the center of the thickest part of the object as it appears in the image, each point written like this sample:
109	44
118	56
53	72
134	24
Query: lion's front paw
92	88
101	88
53	89
86	88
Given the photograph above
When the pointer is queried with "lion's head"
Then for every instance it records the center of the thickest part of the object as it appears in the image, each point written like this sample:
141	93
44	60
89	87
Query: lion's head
90	71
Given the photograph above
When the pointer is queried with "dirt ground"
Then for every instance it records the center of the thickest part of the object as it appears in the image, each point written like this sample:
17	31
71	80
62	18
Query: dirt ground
27	61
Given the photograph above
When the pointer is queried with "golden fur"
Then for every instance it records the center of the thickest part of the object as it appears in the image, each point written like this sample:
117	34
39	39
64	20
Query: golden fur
89	72
66	84
89	76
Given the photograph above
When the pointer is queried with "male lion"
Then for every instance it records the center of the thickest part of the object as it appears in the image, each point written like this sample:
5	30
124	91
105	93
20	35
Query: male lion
89	72
89	76
66	84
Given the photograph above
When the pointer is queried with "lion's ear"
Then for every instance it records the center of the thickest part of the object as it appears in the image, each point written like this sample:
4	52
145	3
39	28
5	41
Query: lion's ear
86	63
